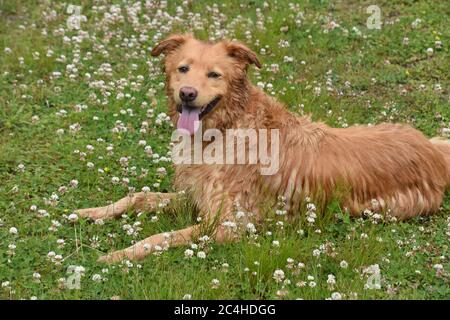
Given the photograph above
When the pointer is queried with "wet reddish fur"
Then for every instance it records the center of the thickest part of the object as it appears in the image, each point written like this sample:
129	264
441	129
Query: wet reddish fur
392	163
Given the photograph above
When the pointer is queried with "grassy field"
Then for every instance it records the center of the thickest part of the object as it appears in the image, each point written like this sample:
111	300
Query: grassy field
79	107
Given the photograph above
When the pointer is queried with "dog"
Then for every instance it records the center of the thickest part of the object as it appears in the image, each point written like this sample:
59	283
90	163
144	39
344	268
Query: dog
387	168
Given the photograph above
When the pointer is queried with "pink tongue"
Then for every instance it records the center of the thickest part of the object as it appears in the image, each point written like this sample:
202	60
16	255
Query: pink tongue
189	119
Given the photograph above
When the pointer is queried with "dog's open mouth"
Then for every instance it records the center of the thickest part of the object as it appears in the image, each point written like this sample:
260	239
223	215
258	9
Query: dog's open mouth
190	117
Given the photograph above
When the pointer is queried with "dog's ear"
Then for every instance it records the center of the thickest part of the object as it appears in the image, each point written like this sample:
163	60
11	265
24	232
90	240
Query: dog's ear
242	53
170	44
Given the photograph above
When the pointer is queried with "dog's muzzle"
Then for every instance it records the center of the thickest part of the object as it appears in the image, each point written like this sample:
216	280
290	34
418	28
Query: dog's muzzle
205	109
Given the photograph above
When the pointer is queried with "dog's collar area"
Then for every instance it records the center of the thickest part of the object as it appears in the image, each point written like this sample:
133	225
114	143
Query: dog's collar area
205	109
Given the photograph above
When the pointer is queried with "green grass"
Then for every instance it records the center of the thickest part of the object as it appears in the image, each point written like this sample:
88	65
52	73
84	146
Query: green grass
374	78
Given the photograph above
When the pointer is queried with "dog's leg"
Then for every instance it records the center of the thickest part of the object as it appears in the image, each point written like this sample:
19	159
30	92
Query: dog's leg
172	239
139	201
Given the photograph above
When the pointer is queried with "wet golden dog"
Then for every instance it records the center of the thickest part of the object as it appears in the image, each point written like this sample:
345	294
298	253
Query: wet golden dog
389	167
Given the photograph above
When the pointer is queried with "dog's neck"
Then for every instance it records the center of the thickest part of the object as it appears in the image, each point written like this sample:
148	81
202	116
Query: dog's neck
235	103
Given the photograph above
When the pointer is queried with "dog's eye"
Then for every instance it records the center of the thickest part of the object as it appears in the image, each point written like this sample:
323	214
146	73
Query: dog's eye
214	75
183	69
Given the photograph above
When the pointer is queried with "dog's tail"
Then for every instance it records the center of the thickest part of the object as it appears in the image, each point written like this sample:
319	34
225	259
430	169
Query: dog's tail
443	145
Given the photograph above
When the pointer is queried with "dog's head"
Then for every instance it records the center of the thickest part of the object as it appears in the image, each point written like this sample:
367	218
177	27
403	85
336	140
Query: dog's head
202	75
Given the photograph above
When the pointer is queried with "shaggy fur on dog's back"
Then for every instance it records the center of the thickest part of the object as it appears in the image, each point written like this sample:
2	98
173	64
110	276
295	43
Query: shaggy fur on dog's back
444	147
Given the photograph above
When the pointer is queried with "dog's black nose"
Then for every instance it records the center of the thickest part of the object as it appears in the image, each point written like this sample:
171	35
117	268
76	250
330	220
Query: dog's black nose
188	94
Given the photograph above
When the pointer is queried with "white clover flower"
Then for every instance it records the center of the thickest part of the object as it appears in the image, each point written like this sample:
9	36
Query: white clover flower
215	283
331	280
73	217
251	228
275	243
57	259
416	23
201	255
97	278
161	170
344	264
115	180
438	266
36	277
13	231
188	253
240	214
336	296
278	275
290	262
